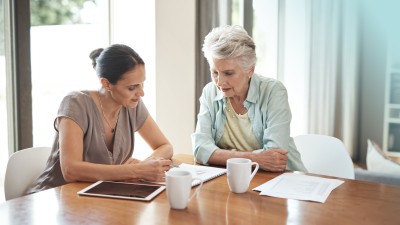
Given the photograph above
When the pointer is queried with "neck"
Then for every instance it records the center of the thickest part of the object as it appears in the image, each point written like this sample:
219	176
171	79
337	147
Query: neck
239	97
112	118
110	108
241	94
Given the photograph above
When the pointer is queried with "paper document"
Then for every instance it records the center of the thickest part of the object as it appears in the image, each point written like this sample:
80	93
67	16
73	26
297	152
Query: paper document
299	186
205	173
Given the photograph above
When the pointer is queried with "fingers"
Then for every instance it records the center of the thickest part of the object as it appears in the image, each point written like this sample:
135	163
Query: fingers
274	160
278	150
157	169
276	154
165	164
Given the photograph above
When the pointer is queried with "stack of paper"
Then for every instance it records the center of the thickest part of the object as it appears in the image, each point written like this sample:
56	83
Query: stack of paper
205	173
299	186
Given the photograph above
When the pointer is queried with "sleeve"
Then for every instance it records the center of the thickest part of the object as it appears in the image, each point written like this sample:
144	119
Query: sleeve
277	126
74	107
203	143
278	117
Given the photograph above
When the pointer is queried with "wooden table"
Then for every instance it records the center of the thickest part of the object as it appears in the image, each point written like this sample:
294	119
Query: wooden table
354	202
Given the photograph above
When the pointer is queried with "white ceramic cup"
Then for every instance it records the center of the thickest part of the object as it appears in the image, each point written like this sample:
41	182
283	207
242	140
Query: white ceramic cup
239	174
179	184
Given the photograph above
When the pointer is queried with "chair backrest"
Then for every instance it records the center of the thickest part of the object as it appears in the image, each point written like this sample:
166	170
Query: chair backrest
23	168
326	155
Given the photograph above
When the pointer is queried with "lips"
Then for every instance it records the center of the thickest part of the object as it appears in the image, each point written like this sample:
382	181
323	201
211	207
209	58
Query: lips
224	89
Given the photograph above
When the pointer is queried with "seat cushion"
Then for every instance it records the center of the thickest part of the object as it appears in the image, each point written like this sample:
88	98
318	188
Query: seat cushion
378	161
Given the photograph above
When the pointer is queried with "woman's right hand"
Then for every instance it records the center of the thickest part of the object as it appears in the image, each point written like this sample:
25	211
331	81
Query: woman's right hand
273	159
152	169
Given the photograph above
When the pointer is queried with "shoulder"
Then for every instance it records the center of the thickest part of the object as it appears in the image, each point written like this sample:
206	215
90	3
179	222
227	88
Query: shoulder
210	91
78	96
210	88
267	82
262	88
76	100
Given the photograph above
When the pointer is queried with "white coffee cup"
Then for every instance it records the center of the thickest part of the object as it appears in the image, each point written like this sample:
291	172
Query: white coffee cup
179	184
239	174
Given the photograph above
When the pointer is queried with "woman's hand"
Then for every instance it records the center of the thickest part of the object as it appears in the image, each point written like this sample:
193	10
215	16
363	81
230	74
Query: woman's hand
153	169
273	159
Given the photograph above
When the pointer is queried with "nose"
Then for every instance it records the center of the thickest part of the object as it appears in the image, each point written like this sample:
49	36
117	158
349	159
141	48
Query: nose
140	91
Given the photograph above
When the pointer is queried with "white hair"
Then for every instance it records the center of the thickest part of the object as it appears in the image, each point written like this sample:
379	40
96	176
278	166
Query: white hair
230	42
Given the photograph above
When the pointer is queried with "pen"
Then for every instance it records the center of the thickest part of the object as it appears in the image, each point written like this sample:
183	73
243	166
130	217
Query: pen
175	165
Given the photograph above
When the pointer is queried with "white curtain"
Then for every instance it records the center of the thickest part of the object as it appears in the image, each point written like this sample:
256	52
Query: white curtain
332	69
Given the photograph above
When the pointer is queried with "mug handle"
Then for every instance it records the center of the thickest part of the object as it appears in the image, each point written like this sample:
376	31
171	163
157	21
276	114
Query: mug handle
255	169
197	188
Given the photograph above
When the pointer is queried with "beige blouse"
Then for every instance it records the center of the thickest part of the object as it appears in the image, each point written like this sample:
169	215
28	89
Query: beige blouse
238	133
80	107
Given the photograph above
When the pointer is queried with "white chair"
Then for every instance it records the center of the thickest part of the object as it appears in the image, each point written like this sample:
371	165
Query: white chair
326	155
23	168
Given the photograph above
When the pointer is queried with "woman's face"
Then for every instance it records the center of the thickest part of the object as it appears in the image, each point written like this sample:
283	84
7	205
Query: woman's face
229	77
128	90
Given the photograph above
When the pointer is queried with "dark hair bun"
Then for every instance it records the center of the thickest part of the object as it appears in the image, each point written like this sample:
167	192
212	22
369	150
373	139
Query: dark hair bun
94	55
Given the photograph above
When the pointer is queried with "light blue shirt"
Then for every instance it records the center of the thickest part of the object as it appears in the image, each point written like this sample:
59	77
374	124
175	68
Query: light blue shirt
269	112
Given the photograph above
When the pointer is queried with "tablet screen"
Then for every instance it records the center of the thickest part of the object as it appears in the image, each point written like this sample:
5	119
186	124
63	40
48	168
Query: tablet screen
122	190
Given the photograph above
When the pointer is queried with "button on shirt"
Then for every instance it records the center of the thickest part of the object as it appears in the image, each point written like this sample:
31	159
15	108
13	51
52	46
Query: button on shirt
269	112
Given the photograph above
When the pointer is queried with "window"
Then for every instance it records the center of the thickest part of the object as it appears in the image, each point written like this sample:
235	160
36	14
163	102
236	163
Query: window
265	34
60	47
60	54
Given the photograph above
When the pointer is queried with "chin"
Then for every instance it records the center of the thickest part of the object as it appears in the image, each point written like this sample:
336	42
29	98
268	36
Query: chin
132	105
227	94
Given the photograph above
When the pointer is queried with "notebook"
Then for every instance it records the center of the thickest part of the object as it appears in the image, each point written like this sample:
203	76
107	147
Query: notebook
205	173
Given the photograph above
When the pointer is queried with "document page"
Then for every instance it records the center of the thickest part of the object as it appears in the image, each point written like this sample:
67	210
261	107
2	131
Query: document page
299	186
205	173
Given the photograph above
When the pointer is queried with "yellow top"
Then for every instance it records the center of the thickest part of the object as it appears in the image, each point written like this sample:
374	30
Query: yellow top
238	133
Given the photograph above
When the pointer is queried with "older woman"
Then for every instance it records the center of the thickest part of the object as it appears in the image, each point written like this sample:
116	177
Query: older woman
242	114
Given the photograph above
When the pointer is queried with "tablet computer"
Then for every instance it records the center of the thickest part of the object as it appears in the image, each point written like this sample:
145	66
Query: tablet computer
122	190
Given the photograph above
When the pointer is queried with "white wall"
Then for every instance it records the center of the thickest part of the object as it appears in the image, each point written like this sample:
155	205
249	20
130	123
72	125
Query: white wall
175	71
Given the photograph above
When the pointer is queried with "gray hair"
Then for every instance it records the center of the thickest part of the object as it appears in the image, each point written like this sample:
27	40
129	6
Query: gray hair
230	42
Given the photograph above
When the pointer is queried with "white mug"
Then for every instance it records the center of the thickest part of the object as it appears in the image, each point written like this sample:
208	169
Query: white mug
239	174
179	184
